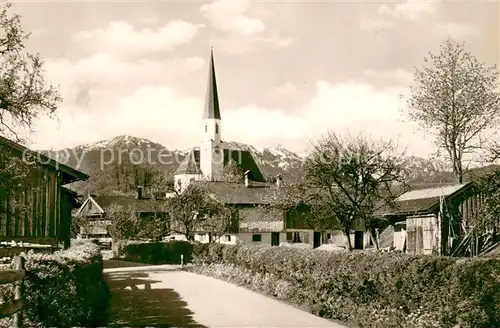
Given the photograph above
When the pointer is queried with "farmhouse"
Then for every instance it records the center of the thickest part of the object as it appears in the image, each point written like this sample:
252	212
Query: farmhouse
93	218
430	219
38	209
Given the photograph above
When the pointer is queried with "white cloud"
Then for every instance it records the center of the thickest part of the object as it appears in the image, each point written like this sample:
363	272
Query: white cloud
456	30
410	9
121	38
107	76
154	112
158	112
230	16
242	32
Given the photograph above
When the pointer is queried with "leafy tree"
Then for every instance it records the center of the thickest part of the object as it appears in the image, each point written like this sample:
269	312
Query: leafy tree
352	177
232	173
24	94
124	223
195	210
456	98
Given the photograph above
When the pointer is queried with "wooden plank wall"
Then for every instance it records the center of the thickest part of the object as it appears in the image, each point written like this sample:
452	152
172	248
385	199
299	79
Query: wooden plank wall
32	210
421	234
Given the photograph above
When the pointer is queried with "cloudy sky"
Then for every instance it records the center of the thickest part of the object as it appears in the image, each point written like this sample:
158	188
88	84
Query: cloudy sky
287	71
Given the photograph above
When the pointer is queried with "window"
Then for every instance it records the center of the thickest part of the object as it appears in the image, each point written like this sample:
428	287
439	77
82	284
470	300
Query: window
289	236
256	237
216	128
228	237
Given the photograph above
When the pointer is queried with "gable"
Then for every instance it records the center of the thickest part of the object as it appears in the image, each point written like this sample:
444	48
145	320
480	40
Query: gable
90	208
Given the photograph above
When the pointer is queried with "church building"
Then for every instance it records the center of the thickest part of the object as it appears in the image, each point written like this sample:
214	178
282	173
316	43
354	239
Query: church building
206	162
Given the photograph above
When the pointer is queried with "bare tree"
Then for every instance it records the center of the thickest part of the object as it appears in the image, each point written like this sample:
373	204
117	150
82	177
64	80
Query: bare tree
455	97
353	177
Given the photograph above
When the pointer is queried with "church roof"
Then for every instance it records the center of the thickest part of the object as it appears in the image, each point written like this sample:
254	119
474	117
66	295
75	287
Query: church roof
190	164
212	100
243	158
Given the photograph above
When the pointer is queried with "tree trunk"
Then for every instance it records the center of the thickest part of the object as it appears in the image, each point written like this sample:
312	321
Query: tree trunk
373	237
347	233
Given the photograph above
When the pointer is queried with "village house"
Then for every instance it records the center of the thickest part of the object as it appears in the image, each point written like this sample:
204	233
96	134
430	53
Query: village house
430	219
39	211
258	221
95	223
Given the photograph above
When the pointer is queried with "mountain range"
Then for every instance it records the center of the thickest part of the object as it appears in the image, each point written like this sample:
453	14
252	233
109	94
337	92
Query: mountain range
96	157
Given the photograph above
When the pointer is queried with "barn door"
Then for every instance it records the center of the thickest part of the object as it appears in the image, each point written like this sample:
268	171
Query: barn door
428	235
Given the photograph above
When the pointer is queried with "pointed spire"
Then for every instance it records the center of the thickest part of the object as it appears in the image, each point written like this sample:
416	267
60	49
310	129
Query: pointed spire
212	100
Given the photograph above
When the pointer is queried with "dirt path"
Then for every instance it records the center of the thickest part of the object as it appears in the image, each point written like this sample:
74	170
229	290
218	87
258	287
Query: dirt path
173	298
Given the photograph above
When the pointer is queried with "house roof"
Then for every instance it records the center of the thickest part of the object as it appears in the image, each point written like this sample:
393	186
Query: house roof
239	194
422	200
243	158
68	174
141	205
212	101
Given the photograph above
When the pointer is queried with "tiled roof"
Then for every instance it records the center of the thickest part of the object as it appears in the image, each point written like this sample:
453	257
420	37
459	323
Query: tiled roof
239	194
243	158
141	205
190	164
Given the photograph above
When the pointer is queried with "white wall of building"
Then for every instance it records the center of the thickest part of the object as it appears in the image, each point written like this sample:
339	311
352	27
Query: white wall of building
185	180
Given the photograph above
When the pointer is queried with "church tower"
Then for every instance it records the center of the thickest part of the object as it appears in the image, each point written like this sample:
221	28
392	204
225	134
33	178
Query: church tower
211	152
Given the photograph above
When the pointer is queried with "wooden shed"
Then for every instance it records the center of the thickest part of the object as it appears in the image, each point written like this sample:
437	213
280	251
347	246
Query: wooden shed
37	209
429	219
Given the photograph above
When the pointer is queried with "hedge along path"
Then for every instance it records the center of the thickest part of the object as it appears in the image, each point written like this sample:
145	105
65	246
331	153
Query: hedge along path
19	303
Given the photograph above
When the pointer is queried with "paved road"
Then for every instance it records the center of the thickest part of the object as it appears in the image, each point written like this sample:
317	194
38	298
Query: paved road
164	296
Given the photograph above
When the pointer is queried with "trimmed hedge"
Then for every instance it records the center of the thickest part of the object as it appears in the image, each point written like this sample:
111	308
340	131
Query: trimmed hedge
370	289
64	289
158	253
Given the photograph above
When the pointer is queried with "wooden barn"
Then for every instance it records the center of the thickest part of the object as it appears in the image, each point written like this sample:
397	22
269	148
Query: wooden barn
36	208
95	213
430	220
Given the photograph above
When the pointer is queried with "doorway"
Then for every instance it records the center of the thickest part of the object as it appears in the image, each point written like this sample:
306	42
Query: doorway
317	239
358	240
275	238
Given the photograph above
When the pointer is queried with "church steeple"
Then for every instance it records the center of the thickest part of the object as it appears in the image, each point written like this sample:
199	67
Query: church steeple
211	153
212	101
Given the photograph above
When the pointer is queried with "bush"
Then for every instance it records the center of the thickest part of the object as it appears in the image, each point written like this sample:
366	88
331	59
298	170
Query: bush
158	253
371	289
65	289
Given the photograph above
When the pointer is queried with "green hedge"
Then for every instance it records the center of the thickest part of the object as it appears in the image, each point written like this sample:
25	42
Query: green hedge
370	289
64	289
158	253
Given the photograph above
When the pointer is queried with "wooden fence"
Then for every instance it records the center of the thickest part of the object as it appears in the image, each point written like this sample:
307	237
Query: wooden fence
19	303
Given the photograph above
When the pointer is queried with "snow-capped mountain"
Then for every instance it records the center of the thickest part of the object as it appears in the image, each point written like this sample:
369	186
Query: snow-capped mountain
94	158
123	149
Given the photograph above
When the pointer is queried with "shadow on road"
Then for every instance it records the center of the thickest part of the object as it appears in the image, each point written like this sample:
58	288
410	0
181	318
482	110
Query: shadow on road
111	264
135	304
